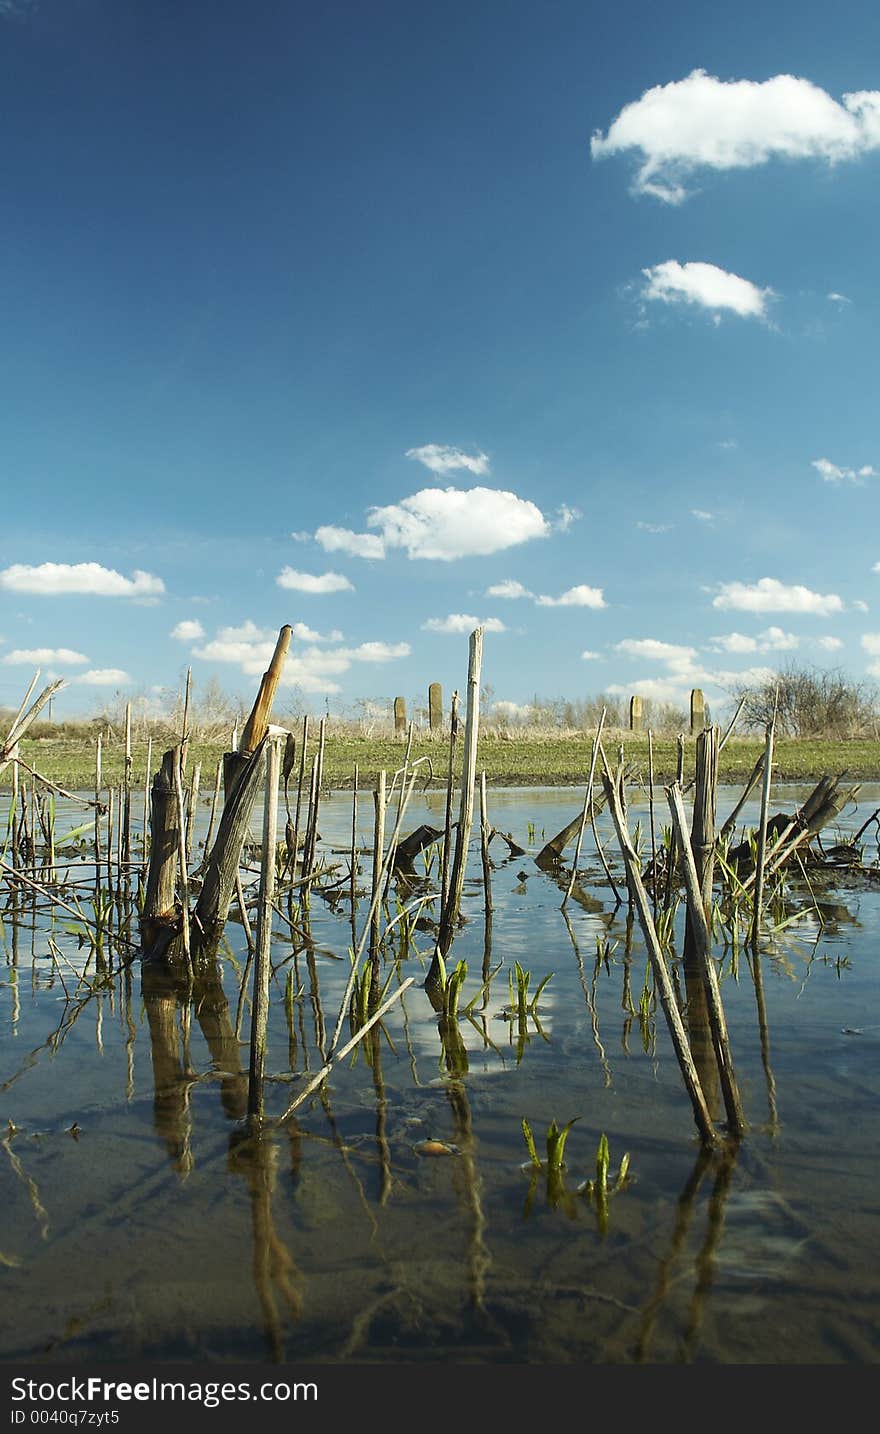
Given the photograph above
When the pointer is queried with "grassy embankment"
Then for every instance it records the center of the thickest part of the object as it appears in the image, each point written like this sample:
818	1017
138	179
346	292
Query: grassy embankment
550	759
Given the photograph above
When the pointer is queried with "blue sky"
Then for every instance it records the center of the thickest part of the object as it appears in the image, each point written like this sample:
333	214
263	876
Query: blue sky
384	320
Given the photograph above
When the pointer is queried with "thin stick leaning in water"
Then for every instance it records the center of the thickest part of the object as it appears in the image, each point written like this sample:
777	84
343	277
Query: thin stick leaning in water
377	895
761	854
588	805
344	1050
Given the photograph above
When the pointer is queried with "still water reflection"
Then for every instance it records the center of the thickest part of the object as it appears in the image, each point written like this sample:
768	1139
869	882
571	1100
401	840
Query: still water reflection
395	1216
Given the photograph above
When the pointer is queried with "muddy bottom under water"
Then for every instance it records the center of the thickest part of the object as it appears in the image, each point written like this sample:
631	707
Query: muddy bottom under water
137	1225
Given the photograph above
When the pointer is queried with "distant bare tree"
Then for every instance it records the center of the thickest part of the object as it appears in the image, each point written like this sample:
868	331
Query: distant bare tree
810	702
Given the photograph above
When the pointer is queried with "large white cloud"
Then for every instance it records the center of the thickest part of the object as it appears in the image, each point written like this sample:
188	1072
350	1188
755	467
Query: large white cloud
707	286
772	639
450	523
442	459
580	596
313	582
51	579
43	656
770	595
705	122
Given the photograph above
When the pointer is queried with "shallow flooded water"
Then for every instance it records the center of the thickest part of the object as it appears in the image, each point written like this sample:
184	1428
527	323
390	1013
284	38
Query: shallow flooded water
395	1217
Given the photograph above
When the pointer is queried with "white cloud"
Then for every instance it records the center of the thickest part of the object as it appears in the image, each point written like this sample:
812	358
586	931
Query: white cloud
377	651
587	656
857	602
871	643
773	639
580	596
838	298
655	527
312	583
442	459
770	595
702	122
702	516
513	711
450	523
103	677
734	642
43	656
50	579
189	630
832	474
343	540
565	516
463	622
510	588
831	644
707	286
655	651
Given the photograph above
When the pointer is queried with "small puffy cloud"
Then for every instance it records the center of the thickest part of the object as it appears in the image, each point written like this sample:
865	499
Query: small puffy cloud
189	630
450	523
702	122
510	588
655	651
830	644
858	604
655	527
442	459
702	516
463	622
513	711
343	540
587	656
44	656
377	651
770	595
871	643
838	298
52	579
580	596
565	516
312	582
773	639
707	286
103	677
734	642
833	474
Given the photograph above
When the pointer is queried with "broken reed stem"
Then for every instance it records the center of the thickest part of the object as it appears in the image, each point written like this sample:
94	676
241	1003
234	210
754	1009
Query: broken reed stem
181	852
449	914
651	819
588	807
218	780
358	952
97	805
354	858
404	772
125	844
146	825
22	723
262	959
184	732
379	804
242	906
299	788
336	1056
761	856
750	785
191	810
447	825
484	845
701	945
691	1078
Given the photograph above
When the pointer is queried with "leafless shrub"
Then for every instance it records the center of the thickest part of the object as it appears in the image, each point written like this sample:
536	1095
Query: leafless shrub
811	702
